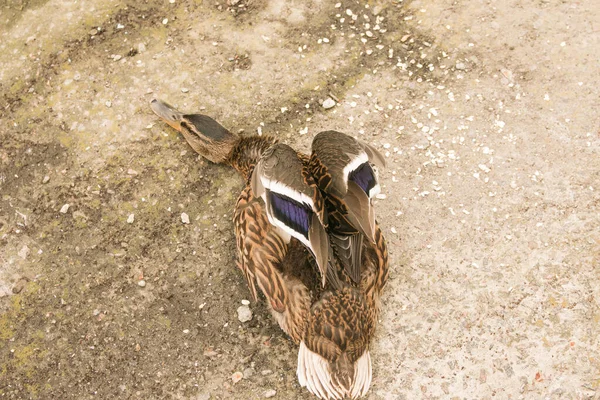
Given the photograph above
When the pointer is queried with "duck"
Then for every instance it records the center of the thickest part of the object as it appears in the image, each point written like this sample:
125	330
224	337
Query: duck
297	222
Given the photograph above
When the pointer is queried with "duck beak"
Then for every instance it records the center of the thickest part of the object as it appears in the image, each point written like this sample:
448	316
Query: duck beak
167	112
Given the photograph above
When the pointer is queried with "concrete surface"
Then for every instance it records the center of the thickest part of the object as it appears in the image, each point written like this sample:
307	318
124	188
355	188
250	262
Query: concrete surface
487	112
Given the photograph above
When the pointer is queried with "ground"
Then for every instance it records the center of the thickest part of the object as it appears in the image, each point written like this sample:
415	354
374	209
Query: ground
487	112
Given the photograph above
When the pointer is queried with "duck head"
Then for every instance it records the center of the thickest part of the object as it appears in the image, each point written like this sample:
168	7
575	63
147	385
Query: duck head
205	135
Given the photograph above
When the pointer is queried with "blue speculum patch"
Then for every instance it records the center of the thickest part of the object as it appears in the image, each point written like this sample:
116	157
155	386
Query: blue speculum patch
364	177
292	213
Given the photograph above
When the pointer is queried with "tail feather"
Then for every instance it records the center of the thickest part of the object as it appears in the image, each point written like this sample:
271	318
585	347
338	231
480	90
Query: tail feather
335	380
363	374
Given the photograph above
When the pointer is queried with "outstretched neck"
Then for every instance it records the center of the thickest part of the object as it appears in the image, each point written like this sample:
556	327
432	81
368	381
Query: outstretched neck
247	151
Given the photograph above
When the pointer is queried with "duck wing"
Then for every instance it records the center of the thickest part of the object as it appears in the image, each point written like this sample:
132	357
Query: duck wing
266	260
343	169
260	249
344	159
293	201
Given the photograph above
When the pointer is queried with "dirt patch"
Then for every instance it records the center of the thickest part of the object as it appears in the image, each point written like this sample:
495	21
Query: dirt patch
13	9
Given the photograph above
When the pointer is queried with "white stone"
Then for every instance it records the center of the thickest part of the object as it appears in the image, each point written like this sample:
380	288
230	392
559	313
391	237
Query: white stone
185	218
328	103
244	313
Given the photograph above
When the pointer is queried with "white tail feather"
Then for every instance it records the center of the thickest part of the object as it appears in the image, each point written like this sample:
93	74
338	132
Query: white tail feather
362	376
314	373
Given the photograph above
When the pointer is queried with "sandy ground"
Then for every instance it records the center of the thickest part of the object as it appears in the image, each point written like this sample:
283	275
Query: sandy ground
487	112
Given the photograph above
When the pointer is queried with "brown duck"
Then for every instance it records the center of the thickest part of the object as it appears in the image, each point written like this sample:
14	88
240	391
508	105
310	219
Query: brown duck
298	221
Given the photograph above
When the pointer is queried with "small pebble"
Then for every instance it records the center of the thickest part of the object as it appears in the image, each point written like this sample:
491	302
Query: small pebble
142	283
244	313
328	103
237	376
245	302
270	393
108	103
185	90
46	179
19	286
117	57
79	214
460	65
130	219
185	218
165	21
64	209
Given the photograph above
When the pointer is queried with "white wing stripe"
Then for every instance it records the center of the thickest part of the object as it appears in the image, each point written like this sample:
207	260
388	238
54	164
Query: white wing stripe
281	188
352	165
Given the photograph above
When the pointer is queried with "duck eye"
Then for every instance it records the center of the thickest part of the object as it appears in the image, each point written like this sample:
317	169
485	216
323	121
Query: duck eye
173	116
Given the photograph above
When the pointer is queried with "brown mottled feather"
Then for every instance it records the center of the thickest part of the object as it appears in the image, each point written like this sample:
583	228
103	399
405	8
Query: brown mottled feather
262	255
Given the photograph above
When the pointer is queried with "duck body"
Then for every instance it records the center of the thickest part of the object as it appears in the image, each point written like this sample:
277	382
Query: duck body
296	238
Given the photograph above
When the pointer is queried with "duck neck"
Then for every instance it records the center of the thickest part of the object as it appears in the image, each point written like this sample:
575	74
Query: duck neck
246	153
